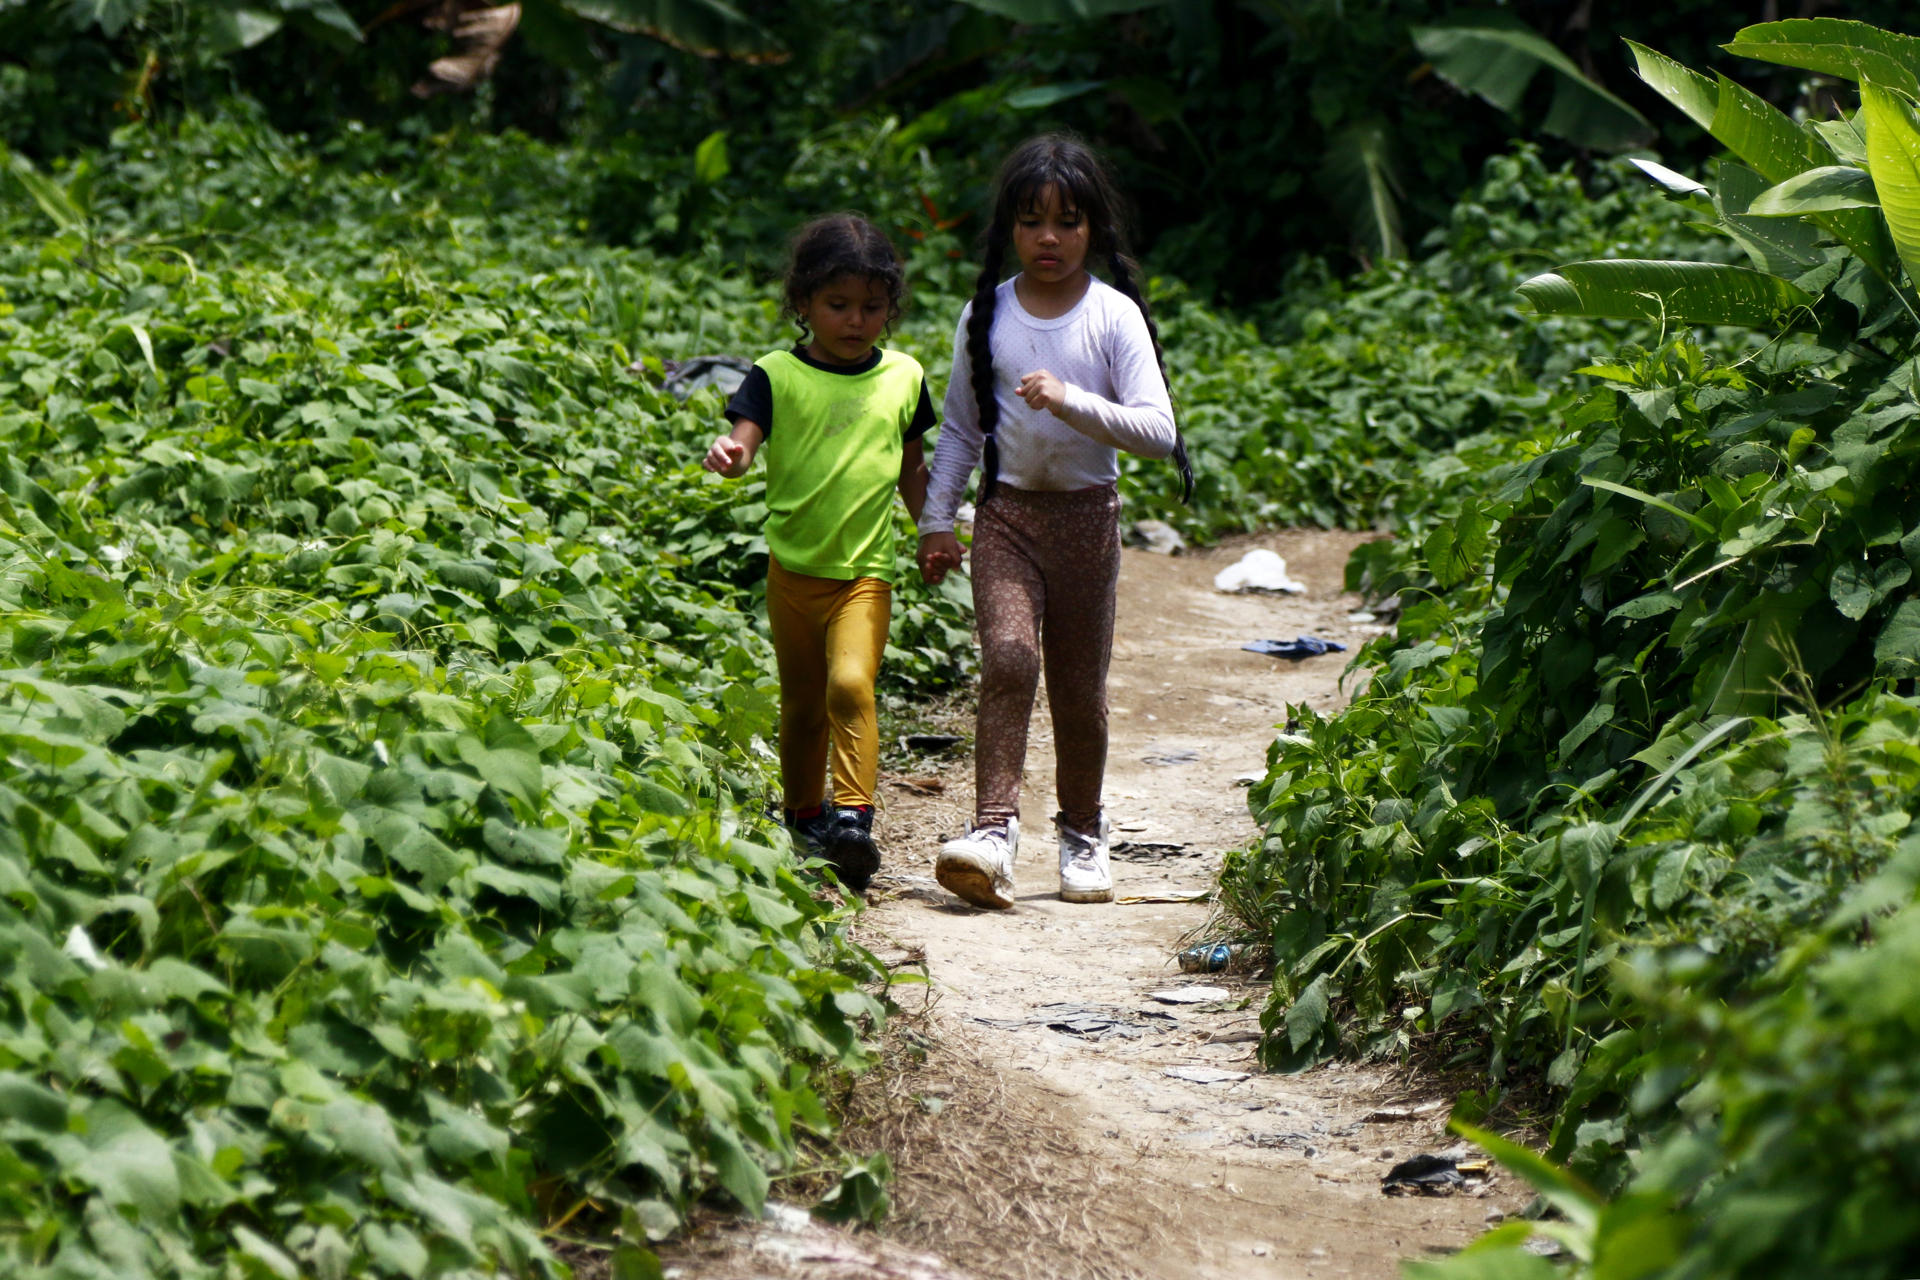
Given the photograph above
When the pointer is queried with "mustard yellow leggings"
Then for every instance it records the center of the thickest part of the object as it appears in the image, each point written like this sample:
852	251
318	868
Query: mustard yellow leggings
828	638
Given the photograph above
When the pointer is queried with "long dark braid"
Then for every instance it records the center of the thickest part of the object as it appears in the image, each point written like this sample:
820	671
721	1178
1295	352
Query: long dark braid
986	291
1068	165
1123	269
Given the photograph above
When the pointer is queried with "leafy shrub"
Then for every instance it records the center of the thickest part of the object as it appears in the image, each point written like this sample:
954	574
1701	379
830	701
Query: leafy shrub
1635	771
1353	403
384	871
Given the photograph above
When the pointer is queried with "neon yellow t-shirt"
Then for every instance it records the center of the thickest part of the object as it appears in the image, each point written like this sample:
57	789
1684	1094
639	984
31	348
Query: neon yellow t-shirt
833	461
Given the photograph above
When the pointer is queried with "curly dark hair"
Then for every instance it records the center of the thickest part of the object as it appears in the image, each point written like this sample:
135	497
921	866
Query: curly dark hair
1066	164
841	244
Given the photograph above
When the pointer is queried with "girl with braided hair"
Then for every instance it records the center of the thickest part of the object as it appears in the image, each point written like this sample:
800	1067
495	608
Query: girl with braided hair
1055	371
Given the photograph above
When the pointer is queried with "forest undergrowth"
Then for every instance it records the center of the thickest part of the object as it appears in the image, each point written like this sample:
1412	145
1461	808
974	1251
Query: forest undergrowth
388	887
1622	811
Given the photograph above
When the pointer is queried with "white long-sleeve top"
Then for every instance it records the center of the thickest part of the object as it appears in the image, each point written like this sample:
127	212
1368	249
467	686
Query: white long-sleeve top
1116	399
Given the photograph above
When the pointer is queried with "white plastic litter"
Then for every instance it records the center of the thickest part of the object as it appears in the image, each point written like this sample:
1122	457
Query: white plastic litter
1207	1075
1258	570
1191	995
81	948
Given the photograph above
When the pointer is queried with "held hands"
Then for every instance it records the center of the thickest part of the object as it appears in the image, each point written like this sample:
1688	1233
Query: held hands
1041	390
728	456
939	553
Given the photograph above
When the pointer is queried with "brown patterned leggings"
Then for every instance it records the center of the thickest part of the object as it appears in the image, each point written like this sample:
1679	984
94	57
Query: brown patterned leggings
1046	566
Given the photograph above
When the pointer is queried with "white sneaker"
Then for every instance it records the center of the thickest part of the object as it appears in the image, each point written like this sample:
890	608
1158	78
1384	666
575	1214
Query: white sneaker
978	866
1085	875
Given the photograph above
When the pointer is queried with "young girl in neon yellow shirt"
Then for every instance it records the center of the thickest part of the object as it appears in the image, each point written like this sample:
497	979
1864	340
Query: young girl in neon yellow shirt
840	422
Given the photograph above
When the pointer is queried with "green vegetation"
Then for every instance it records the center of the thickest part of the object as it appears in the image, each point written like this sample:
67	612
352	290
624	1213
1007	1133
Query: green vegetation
384	871
1625	807
1252	134
387	710
385	881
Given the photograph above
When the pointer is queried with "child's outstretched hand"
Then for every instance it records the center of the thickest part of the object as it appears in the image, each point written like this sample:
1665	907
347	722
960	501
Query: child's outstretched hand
728	456
1041	390
939	554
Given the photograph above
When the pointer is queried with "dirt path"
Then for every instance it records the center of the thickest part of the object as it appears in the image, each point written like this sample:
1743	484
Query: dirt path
1114	1135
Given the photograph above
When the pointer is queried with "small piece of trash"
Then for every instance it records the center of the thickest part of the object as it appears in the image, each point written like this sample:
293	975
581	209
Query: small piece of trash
1362	615
1169	758
929	741
1248	779
1156	536
1258	570
80	947
1299	647
1207	1075
1148	850
1432	1174
1178	895
1391	1115
1191	995
684	377
786	1217
1088	1021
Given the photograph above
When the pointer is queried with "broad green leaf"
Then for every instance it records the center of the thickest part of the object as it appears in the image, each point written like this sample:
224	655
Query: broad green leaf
1893	158
710	162
26	1101
1856	588
1897	651
145	340
1819	190
1685	88
1048	95
1844	137
1497	57
1509	1262
1769	140
738	1171
1667	292
327	17
1638	1235
1363	183
631	1262
111	16
1580	1203
505	755
231	30
272	1259
1763	135
1760	134
1836	47
130	1164
1307	1014
49	195
1786	247
395	1247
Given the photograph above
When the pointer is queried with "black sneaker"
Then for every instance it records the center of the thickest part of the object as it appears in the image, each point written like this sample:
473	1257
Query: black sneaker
848	845
810	834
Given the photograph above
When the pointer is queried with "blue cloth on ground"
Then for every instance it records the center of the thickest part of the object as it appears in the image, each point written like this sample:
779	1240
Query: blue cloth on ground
1300	647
